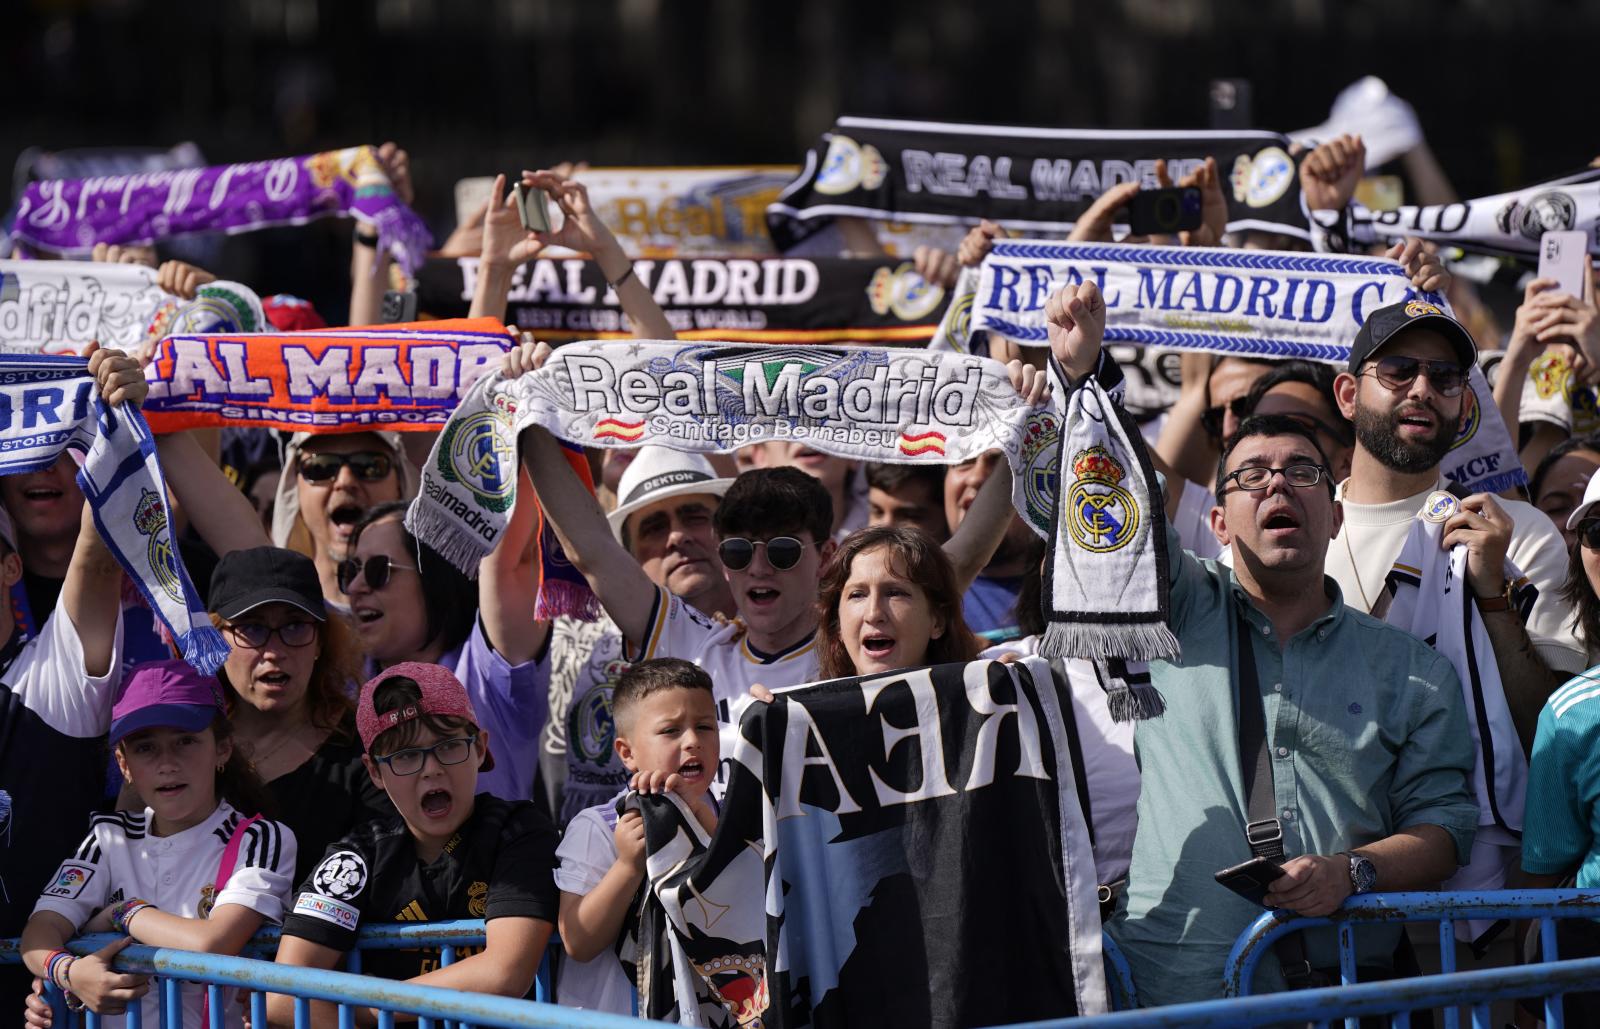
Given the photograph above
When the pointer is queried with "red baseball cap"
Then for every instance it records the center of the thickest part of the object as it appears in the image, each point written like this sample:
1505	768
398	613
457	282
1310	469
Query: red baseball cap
441	693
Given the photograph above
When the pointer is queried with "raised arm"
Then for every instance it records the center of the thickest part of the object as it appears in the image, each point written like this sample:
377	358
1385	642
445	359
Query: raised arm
506	247
622	587
508	590
582	229
223	516
369	267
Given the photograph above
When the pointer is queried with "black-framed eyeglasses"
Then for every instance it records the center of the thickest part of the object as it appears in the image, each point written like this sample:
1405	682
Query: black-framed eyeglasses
368	465
254	635
1259	477
1589	533
448	752
376	570
1446	377
783	552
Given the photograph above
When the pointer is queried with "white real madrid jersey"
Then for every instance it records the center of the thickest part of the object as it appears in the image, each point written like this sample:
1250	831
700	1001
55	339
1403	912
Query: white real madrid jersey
119	860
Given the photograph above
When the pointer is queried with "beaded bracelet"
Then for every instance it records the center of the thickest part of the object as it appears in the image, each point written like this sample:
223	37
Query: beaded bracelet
52	966
123	913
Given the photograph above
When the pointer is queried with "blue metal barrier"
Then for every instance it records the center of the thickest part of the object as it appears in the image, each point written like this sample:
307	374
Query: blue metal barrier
1446	909
1325	1007
1120	990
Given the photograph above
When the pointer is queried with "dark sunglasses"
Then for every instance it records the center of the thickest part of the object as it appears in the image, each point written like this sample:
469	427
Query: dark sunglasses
1589	533
376	570
368	465
254	635
1446	377
783	552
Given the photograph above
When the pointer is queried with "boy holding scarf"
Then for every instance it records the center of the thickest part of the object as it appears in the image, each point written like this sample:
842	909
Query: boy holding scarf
1365	726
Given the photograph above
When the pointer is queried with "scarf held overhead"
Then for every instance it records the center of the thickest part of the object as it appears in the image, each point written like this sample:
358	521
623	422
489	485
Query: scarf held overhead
48	404
1039	180
736	299
1244	303
1506	224
405	377
60	307
904	406
69	216
841	886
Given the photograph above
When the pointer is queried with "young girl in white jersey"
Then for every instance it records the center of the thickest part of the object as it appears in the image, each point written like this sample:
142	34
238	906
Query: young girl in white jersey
196	870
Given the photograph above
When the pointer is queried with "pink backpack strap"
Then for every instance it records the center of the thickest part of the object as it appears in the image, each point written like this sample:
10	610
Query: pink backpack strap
230	855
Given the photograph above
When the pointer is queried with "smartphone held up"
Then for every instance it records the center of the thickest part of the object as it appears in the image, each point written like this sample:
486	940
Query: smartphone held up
533	204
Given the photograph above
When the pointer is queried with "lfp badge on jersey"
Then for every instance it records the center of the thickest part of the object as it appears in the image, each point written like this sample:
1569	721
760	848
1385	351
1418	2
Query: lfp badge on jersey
1101	515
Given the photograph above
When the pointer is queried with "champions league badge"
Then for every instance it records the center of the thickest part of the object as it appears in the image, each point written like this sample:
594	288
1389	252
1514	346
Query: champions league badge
849	165
150	518
904	292
1101	515
1439	507
477	453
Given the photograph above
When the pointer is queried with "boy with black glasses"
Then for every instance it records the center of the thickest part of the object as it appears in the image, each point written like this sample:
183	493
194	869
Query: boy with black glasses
450	853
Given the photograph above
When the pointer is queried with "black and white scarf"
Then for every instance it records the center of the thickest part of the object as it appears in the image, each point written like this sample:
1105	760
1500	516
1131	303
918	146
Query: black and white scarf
1032	179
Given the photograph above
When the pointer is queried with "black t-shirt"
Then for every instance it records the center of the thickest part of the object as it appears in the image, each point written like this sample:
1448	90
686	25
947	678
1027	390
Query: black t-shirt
43	592
328	797
500	864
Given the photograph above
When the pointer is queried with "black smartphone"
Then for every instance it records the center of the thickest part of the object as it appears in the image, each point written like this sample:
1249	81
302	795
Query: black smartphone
1164	211
399	305
1232	104
533	206
1251	879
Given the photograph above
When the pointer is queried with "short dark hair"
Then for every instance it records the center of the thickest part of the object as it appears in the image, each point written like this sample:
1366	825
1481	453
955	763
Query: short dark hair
1269	425
1572	444
775	502
650	677
448	596
1312	373
397	692
890	477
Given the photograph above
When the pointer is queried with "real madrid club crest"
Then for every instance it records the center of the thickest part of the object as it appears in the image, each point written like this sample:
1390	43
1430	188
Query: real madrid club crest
904	292
477	898
150	518
1418	308
850	165
1261	180
1472	417
208	900
1440	505
1041	482
1101	515
479	453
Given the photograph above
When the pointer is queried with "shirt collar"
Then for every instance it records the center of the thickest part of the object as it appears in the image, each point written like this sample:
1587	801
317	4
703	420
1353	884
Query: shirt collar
1322	625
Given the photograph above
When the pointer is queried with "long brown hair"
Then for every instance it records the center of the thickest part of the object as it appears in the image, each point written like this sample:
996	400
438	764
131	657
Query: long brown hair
328	690
916	557
1579	592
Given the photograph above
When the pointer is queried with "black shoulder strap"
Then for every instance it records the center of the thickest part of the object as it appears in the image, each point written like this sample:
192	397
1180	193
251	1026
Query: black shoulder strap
1262	830
1455	489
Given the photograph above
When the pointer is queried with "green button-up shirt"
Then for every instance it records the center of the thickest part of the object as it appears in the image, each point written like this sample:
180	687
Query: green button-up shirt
1367	732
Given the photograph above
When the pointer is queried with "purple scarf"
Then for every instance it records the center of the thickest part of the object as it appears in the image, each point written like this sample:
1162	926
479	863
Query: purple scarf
69	216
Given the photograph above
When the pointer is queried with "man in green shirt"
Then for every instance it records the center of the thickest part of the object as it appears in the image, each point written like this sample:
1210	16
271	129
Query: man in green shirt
1366	729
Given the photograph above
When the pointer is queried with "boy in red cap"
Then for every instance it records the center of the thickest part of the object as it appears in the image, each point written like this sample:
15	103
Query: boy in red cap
450	852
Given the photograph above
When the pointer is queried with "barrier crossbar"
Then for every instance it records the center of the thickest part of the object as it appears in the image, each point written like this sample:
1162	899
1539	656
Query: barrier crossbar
1446	909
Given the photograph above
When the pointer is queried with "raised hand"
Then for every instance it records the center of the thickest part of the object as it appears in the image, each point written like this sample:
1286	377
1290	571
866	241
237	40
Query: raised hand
1094	225
505	241
120	378
936	266
1330	173
1422	265
1032	384
977	243
182	279
112	253
396	164
1213	204
524	358
1075	320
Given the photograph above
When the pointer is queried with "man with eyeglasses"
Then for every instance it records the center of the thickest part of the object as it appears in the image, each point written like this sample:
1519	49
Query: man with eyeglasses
1361	728
1407	393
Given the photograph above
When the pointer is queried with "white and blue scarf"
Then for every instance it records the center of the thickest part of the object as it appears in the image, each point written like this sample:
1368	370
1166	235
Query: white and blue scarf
1244	303
49	404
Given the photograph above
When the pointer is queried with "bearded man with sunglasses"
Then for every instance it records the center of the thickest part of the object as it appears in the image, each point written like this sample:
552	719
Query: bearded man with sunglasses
1407	393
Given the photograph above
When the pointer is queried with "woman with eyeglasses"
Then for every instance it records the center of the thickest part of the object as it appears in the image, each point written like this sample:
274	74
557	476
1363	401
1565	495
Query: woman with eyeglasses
328	483
407	603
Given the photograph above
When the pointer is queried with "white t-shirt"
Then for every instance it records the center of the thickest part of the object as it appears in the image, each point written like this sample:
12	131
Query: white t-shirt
1110	772
119	860
587	852
679	630
1360	557
1193	521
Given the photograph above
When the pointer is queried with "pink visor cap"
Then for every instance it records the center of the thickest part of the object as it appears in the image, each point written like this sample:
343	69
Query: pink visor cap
441	694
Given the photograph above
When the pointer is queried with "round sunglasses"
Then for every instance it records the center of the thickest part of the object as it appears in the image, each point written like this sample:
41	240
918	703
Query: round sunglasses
783	552
366	465
376	570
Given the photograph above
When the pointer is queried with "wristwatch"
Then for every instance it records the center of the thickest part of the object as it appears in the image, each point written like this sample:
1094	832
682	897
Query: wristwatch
1363	874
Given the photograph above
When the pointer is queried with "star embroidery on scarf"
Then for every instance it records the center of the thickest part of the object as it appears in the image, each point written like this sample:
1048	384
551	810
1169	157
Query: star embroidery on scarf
635	350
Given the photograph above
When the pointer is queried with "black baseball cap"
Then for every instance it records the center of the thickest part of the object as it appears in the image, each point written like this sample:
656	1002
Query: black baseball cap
1386	323
246	579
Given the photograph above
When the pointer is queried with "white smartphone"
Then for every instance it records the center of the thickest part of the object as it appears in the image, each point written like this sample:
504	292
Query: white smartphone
1564	257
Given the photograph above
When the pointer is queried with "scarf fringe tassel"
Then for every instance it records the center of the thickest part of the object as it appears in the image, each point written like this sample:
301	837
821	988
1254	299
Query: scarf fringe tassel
455	544
1135	703
1148	641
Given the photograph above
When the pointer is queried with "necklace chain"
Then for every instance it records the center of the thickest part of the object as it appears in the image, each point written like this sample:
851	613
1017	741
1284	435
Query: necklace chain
1366	605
